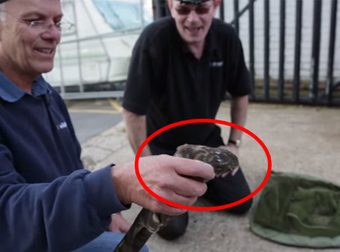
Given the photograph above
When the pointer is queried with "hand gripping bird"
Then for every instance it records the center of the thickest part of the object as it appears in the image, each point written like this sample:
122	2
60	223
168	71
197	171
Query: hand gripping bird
148	222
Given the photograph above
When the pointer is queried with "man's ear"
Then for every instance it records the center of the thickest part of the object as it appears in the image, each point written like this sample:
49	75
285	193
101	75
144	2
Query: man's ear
171	6
217	3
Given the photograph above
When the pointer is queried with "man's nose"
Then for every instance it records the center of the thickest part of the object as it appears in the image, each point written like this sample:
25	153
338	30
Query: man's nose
52	32
192	16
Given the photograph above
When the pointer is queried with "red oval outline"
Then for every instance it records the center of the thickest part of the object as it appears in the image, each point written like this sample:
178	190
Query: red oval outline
257	190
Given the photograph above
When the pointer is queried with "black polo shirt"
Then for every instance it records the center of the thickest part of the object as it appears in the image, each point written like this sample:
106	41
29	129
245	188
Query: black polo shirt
168	84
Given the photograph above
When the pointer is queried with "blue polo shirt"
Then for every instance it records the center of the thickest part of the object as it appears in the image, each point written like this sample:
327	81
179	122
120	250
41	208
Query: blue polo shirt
48	202
12	93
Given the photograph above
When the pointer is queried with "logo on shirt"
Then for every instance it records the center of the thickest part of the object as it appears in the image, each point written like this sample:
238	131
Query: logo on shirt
61	126
216	64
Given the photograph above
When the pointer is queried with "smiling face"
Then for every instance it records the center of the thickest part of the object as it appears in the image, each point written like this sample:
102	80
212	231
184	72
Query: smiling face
25	49
193	21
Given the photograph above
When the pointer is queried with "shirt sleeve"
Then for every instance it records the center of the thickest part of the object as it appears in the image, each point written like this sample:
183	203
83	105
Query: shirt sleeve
239	83
57	216
138	92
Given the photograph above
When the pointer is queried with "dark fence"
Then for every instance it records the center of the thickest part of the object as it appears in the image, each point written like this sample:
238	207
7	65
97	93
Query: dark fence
281	89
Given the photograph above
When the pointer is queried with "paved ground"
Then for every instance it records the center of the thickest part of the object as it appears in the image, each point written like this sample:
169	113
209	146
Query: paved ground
300	139
91	117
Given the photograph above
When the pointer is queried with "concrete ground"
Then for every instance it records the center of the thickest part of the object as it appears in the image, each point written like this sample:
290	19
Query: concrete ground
91	117
300	139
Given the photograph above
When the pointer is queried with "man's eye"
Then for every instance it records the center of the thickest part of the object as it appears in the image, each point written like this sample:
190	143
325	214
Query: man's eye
34	22
198	10
202	10
183	11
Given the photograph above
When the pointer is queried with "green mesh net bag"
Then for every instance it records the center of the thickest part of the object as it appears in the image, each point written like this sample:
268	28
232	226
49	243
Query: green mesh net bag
298	210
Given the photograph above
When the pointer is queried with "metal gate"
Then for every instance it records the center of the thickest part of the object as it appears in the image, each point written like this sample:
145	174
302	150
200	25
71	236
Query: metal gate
281	86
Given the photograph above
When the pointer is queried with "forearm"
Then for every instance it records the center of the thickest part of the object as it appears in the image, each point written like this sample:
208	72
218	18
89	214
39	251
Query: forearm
136	131
57	216
239	107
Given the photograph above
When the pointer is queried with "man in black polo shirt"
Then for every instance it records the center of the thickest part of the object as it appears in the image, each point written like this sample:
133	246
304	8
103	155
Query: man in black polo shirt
180	69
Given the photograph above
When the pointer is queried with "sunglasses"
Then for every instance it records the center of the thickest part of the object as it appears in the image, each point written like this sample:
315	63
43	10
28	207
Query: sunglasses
200	10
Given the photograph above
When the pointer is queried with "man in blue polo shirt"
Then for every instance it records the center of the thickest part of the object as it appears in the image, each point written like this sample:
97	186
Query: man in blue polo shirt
181	68
48	202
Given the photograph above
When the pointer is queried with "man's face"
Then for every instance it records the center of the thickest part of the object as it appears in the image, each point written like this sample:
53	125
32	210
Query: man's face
193	21
25	49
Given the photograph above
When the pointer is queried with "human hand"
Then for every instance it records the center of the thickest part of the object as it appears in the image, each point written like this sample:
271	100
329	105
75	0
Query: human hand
119	224
167	177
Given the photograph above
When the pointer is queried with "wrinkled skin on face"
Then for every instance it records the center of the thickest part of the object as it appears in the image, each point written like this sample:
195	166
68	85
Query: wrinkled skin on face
24	51
193	21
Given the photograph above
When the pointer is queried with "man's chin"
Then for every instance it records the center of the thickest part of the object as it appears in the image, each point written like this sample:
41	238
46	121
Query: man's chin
193	41
45	69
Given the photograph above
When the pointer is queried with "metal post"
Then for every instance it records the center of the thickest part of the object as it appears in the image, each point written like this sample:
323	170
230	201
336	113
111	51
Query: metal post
266	49
236	18
166	8
282	50
298	28
245	8
331	52
80	72
314	84
251	47
222	10
141	4
160	8
100	40
156	9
